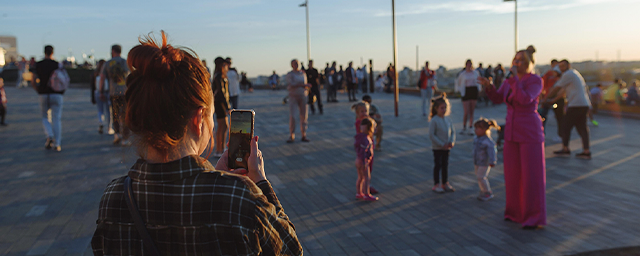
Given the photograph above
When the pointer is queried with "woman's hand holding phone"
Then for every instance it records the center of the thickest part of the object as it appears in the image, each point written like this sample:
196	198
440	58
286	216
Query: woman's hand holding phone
256	163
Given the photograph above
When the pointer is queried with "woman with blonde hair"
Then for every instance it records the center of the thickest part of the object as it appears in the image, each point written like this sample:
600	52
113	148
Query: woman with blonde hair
173	201
524	158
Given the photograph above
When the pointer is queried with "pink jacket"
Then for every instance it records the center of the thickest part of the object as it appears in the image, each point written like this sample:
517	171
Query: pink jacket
523	121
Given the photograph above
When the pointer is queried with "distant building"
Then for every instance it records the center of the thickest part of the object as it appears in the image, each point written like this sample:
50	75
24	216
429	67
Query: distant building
10	47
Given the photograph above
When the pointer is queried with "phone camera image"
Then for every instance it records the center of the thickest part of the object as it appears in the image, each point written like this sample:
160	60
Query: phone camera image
240	134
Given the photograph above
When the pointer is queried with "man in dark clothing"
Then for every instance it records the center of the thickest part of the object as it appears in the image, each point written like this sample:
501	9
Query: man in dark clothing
352	82
50	100
312	78
330	74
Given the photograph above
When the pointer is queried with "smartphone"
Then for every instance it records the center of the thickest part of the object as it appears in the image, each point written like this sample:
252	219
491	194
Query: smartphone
240	135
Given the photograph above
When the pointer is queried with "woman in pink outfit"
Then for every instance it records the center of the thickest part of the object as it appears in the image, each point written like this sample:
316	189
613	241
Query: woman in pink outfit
524	162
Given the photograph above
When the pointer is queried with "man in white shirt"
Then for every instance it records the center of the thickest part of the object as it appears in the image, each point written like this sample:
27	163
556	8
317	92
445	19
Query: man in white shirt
578	105
234	85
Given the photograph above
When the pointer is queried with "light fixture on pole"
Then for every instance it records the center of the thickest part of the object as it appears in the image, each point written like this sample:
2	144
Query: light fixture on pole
306	6
515	21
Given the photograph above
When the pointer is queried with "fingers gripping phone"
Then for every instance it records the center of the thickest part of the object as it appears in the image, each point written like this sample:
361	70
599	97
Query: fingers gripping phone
240	134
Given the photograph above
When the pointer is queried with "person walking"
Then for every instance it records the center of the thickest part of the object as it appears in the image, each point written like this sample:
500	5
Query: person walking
115	71
50	101
523	152
314	93
549	79
220	87
428	85
183	204
578	105
468	87
298	88
352	82
104	108
23	67
234	84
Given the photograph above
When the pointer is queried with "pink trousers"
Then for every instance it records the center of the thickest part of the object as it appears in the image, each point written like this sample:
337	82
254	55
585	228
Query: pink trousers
525	183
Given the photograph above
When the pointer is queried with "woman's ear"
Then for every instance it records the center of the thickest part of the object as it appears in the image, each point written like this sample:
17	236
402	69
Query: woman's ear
197	122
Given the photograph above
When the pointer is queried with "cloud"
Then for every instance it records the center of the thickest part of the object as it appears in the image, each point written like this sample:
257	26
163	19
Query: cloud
492	6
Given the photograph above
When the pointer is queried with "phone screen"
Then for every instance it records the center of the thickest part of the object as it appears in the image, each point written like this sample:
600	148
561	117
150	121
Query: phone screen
240	134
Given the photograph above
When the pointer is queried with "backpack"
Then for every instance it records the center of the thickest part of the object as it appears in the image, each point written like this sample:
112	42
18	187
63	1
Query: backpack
59	80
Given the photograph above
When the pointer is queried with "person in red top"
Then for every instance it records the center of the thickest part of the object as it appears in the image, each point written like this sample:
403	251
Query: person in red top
427	85
549	79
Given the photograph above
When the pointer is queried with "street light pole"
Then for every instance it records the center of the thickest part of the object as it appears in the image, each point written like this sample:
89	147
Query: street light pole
395	57
515	22
306	6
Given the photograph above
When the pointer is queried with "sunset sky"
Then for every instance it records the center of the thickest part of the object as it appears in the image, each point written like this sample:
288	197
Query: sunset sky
262	36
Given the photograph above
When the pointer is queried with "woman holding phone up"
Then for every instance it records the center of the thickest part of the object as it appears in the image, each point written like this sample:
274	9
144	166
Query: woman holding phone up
524	162
173	201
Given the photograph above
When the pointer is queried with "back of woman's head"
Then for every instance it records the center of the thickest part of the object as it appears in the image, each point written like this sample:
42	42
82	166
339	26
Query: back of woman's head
165	88
358	105
99	67
436	102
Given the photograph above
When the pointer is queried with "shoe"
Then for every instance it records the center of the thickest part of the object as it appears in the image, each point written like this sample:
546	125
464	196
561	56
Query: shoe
535	227
111	131
100	129
464	131
438	189
562	152
58	148
584	155
370	198
359	196
3	124
448	188
304	139
594	122
373	191
485	197
290	140
49	143
116	139
471	132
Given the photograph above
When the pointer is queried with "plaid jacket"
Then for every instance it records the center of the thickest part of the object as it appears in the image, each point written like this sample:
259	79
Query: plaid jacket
191	209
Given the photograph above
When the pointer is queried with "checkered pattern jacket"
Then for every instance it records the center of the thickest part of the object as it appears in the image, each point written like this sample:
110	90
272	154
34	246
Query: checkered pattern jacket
191	209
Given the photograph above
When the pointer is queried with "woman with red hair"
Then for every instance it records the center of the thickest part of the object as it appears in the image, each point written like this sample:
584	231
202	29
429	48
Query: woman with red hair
173	201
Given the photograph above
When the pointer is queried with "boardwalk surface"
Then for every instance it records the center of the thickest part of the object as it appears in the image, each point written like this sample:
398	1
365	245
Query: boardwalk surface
49	200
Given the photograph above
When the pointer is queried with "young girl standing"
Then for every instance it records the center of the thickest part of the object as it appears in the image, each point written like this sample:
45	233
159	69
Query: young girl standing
364	159
484	155
362	112
443	137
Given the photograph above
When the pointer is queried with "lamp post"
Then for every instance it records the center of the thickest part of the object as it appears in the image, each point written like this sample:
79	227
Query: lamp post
306	6
395	57
515	21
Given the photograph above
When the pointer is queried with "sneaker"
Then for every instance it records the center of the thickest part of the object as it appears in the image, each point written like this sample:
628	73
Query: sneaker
58	148
100	129
438	189
49	143
373	191
304	139
290	140
116	139
448	188
594	122
485	196
369	198
111	131
464	131
562	152
584	155
359	197
471	132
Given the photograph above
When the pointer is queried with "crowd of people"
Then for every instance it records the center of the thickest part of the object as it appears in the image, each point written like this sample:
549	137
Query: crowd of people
175	127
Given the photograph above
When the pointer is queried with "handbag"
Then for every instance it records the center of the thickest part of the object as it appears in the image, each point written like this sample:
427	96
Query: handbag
137	218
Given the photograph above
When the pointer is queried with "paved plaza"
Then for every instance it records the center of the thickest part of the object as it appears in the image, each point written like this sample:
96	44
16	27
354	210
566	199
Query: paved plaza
49	200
